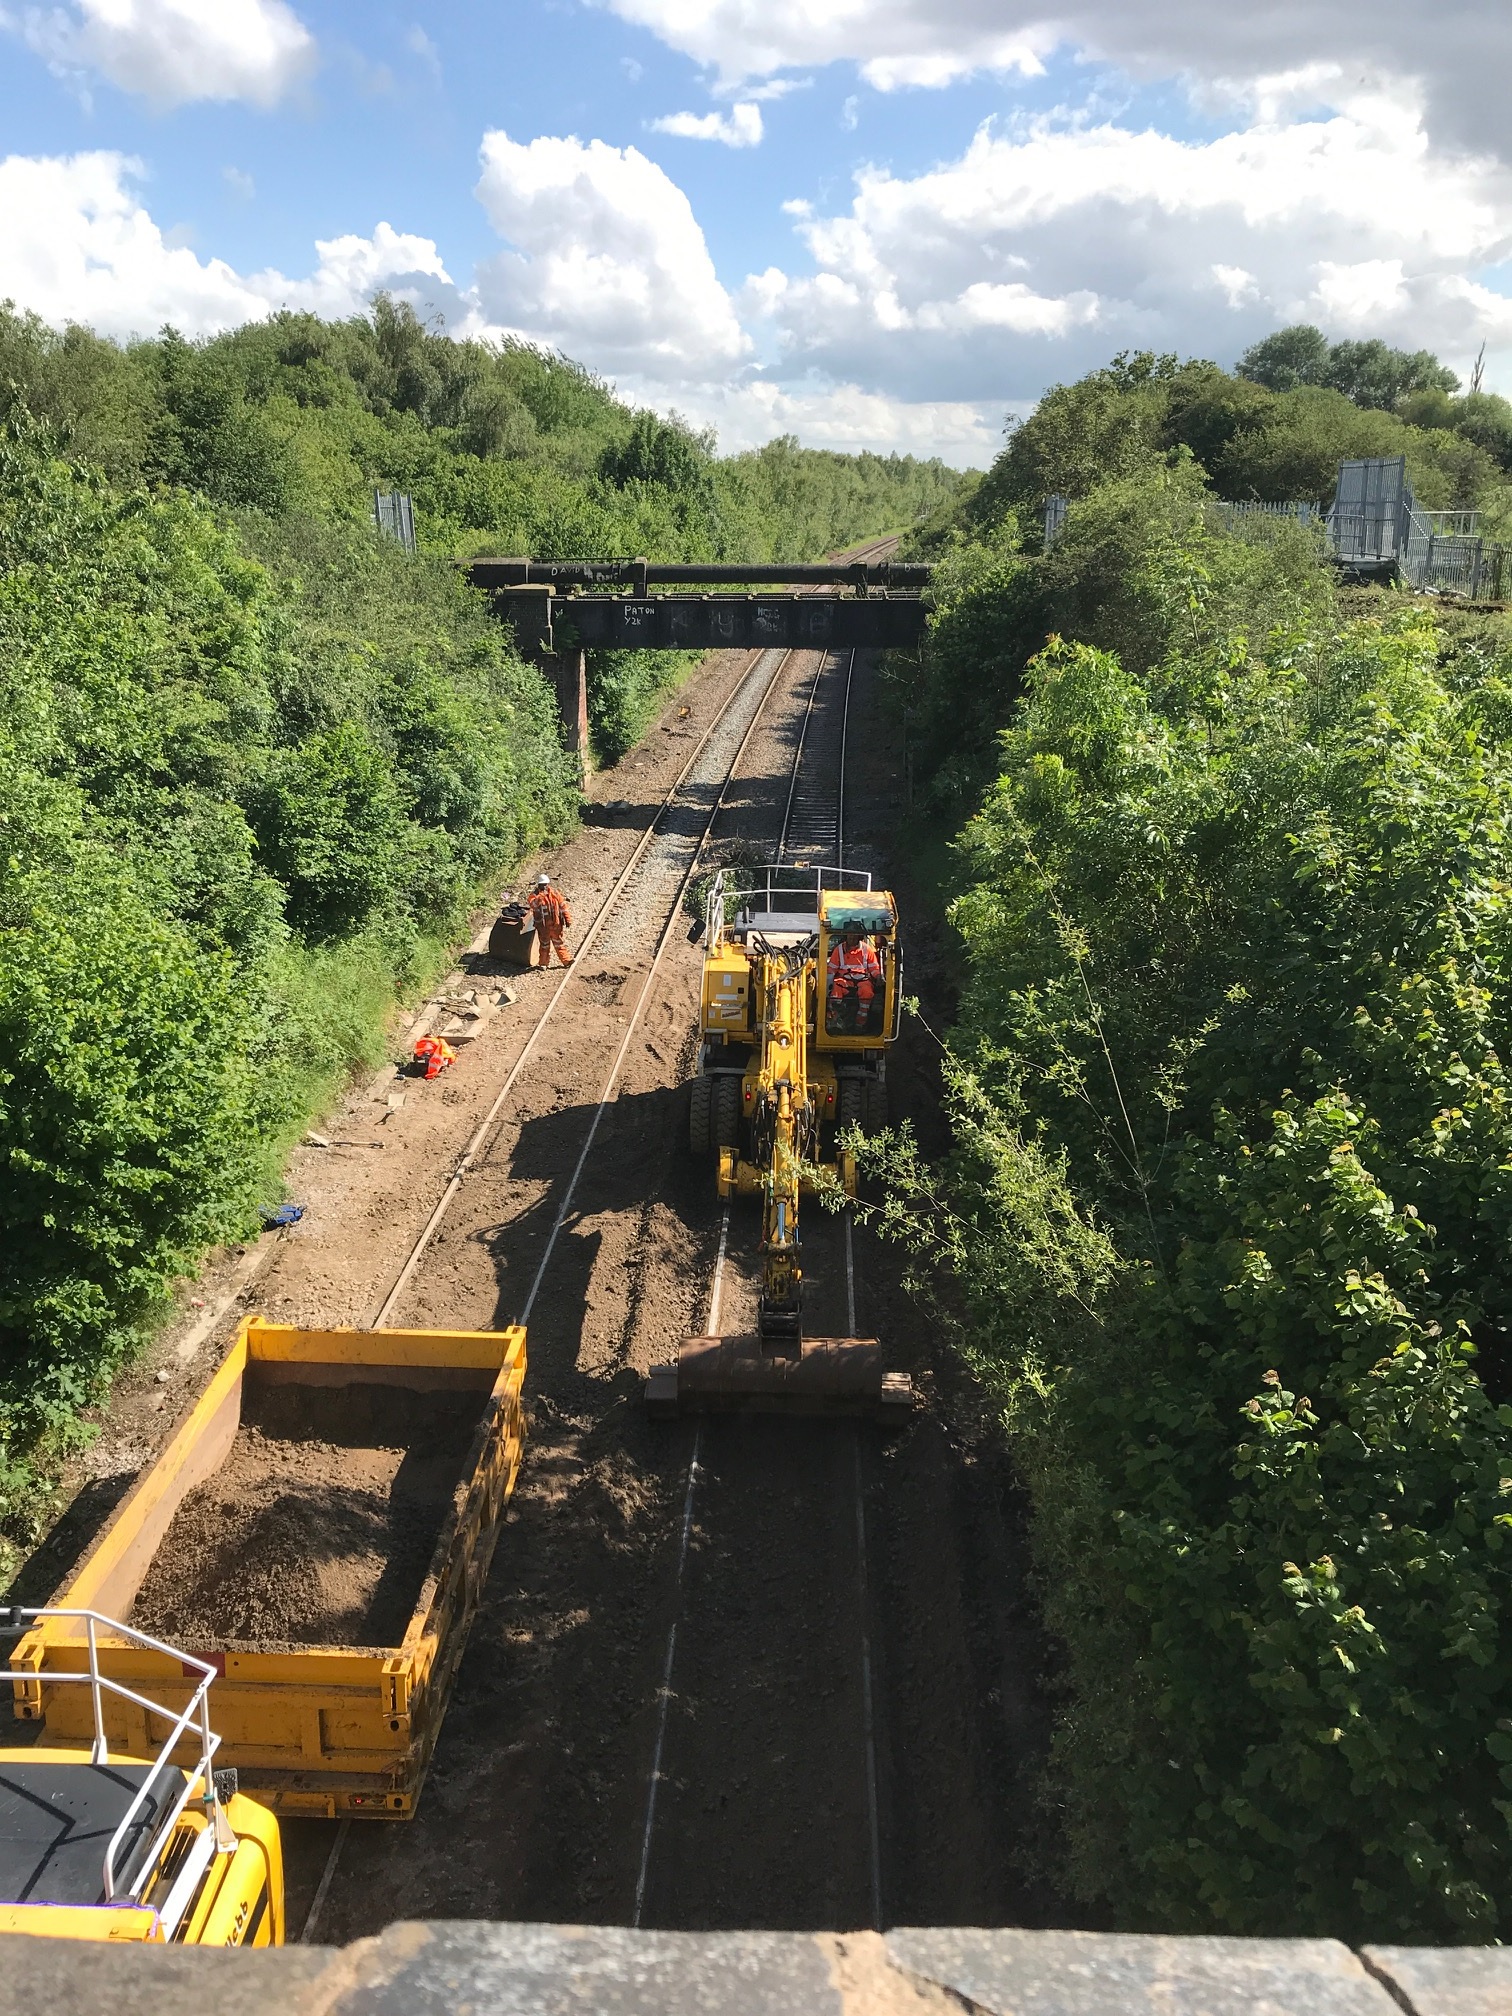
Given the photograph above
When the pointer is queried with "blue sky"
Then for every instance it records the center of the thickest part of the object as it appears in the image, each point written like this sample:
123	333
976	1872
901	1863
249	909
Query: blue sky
937	206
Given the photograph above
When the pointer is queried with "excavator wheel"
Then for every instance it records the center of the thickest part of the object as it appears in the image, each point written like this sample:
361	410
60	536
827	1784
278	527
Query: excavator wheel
700	1100
874	1106
852	1105
726	1113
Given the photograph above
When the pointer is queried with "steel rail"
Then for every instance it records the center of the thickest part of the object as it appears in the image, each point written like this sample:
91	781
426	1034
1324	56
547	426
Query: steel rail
486	1126
482	1133
798	755
808	715
695	1470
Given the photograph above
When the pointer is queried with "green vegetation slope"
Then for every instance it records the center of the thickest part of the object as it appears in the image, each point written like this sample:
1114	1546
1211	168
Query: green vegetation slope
1228	1226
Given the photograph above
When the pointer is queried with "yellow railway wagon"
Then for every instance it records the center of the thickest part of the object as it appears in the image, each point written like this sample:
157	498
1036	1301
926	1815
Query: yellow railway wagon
333	1729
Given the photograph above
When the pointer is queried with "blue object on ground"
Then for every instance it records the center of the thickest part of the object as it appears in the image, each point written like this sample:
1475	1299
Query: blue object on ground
282	1214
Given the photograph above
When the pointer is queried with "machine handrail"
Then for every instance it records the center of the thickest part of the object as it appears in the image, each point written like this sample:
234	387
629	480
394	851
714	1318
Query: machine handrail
16	1618
786	878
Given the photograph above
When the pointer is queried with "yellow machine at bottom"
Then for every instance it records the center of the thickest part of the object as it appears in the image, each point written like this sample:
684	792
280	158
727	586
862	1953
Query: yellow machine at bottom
103	1844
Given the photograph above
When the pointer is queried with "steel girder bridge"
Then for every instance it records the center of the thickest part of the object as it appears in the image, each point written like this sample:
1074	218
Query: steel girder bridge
558	606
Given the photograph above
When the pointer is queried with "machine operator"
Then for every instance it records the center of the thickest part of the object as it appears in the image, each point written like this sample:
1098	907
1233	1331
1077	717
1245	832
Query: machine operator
855	981
552	919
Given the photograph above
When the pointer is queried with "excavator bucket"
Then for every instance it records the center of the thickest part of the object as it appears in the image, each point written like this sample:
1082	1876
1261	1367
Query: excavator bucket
745	1375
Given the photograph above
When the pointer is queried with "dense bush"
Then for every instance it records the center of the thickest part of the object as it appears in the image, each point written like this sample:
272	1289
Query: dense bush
503	447
1276	437
239	795
1226	1229
1245	967
625	690
1143	564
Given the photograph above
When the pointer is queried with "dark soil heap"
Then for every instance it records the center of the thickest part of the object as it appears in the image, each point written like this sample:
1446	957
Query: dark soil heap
319	1526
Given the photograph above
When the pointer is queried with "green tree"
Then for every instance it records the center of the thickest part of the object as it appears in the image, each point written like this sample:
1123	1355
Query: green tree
1373	374
1291	357
127	1133
1370	373
329	824
208	436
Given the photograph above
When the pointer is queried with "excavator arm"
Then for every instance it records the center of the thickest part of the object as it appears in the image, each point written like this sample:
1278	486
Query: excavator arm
780	1369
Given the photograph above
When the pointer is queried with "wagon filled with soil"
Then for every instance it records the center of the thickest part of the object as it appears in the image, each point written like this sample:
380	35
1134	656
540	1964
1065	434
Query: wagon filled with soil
320	1526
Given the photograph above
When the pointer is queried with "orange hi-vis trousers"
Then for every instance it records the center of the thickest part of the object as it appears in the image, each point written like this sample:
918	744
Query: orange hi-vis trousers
552	919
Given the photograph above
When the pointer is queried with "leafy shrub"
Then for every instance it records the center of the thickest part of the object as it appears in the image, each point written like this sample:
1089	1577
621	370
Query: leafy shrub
625	690
1230	1216
328	820
126	1114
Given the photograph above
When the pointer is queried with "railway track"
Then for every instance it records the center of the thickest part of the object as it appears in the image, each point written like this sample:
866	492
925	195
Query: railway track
638	918
736	1471
680	1705
644	864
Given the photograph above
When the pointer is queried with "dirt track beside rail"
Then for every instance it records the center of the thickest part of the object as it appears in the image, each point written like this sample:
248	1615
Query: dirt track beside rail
535	1806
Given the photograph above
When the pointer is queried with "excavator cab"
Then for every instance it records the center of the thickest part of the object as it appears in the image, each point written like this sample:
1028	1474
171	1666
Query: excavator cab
801	997
858	963
150	1844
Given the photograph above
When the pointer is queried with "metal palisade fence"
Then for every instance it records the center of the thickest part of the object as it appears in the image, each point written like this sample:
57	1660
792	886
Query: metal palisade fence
394	514
1376	526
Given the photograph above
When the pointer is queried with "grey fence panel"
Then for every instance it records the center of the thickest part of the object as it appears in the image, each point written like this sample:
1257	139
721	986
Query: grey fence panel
1304	514
1376	522
1367	520
394	514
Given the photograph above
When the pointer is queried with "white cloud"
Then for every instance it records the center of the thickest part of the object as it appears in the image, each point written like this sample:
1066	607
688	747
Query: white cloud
420	45
609	263
76	244
1047	247
748	411
352	269
240	183
767	93
1460	60
741	127
1239	285
174	51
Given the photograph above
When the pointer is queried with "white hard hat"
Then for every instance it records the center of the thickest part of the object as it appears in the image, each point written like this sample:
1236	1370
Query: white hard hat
543	881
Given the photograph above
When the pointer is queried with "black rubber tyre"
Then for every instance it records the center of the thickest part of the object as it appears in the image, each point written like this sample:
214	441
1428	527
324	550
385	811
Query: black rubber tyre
875	1106
852	1105
700	1098
727	1110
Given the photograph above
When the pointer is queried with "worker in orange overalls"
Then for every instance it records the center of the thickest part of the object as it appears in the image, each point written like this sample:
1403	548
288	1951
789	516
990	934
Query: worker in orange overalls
855	980
552	918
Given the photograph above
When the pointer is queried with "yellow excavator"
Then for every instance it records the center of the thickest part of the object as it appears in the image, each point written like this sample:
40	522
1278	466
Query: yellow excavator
800	1001
127	1844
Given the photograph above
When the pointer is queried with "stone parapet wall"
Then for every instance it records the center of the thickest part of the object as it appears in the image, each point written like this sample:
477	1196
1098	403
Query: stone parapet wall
467	1969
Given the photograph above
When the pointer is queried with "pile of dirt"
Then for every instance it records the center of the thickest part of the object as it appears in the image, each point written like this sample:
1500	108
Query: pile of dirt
319	1526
